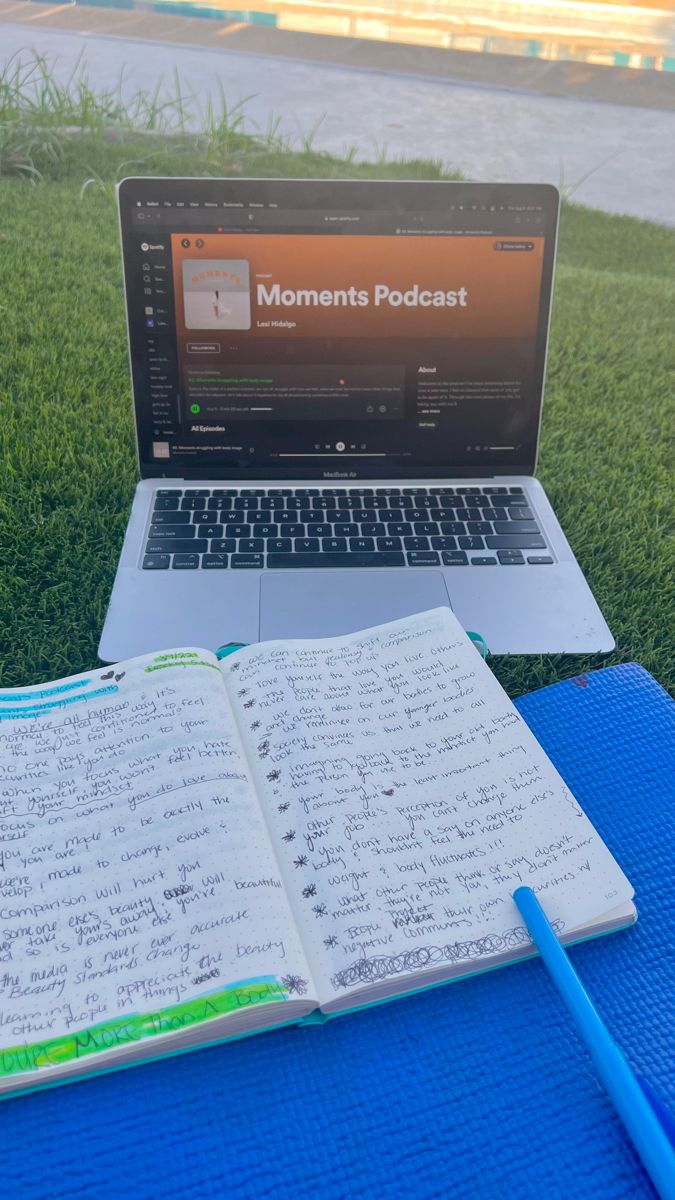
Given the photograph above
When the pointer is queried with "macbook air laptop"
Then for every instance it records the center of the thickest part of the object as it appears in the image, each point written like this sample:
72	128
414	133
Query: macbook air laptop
338	393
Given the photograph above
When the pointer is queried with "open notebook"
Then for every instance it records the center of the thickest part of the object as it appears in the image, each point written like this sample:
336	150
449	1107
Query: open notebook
194	850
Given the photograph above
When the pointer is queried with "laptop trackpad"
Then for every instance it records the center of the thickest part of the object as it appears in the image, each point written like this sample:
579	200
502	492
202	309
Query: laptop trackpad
297	604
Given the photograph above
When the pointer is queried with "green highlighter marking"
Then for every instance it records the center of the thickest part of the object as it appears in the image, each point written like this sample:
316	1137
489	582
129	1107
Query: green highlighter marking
134	1027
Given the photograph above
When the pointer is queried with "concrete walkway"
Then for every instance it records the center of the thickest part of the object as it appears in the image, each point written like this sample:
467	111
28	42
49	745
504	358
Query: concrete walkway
609	156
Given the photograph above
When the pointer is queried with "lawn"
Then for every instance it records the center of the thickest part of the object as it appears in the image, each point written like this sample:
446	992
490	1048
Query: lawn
67	459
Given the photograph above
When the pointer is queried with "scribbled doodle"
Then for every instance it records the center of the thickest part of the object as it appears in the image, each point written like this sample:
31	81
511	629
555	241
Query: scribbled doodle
330	941
289	836
272	776
309	890
320	910
300	861
295	985
384	966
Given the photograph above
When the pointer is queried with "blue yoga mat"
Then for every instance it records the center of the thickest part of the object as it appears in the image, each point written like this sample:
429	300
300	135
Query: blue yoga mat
479	1089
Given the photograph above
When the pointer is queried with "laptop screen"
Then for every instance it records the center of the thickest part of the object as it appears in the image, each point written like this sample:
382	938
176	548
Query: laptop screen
337	329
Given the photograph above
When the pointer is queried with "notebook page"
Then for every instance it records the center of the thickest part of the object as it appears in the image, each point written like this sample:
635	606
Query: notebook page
407	800
136	872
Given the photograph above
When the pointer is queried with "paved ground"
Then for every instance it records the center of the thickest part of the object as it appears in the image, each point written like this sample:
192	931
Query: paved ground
496	125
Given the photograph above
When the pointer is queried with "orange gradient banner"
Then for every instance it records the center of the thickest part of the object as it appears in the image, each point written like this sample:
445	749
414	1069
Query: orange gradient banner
357	286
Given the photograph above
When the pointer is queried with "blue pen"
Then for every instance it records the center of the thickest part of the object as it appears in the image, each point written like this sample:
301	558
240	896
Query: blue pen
630	1101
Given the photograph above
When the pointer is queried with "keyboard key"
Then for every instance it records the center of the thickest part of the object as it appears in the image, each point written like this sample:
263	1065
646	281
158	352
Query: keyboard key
168	492
307	491
494	491
294	531
424	501
294	503
275	502
350	530
360	491
306	544
191	503
333	491
454	528
334	544
389	491
444	543
172	517
197	492
239	531
209	531
454	558
185	562
515	541
512	501
442	491
323	502
178	546
375	558
478	527
252	492
321	531
279	545
483	562
494	514
510	558
399	529
359	514
283	517
220	503
523	527
427	528
248	560
209	516
389	543
472	514
166	503
539	560
173	531
398	501
265	531
156	562
373	529
415	514
424	558
250	545
244	503
515	489
471	543
224	492
416	543
361	543
468	491
223	546
521	514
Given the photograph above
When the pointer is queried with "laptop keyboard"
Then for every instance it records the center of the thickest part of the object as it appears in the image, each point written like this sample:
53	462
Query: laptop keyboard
250	528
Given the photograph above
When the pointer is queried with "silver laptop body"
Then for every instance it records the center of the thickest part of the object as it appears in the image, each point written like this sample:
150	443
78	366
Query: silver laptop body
338	390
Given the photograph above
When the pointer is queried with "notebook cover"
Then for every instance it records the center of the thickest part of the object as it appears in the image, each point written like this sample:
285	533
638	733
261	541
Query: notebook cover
472	1091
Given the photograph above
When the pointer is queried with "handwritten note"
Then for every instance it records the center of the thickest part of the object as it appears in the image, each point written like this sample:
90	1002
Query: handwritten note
136	872
407	800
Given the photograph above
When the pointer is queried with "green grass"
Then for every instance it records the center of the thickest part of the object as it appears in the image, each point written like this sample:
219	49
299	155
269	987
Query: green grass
67	459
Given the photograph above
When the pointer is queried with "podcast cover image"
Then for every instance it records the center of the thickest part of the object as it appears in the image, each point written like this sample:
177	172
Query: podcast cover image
216	293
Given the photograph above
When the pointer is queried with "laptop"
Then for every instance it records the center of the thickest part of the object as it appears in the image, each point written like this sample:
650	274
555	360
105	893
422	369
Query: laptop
338	393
